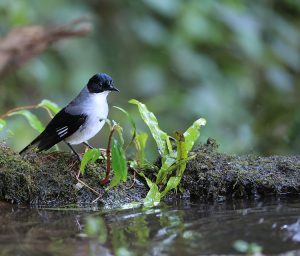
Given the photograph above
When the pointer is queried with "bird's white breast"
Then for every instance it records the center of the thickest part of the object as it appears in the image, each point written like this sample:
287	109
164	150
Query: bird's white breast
95	107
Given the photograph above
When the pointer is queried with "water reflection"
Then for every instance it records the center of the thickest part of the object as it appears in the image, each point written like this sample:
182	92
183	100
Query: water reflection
174	229
292	231
36	232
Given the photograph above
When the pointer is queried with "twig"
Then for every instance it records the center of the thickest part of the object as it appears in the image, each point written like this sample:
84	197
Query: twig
90	188
94	201
36	106
83	183
17	109
72	165
23	43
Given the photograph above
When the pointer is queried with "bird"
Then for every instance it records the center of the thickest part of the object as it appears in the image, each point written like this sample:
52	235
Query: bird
80	120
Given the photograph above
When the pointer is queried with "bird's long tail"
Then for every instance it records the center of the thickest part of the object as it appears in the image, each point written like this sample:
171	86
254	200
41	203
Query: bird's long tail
41	142
33	144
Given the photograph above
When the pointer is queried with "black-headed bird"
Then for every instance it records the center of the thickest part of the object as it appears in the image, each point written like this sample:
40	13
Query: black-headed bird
81	119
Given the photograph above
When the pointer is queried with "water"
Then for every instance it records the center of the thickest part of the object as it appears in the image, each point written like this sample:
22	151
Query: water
179	228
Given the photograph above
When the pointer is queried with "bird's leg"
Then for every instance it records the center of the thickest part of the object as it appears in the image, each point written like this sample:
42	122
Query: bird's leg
78	174
74	151
91	147
102	150
87	144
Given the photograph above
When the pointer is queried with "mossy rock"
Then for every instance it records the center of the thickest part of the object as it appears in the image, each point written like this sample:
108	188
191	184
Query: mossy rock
215	176
48	179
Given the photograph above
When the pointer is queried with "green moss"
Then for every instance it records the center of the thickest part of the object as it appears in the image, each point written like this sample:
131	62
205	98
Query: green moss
48	179
212	175
15	176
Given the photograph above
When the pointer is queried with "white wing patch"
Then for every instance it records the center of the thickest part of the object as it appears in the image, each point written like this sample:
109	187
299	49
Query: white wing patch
62	131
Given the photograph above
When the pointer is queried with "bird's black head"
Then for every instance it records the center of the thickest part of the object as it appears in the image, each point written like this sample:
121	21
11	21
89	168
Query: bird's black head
100	83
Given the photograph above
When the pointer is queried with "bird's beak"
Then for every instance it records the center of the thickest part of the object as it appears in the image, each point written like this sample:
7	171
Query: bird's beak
114	89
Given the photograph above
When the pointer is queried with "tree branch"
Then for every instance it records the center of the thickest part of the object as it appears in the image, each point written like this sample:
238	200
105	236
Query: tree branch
23	43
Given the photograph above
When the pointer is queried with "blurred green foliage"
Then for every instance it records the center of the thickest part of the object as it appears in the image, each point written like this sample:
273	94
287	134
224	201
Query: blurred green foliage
236	63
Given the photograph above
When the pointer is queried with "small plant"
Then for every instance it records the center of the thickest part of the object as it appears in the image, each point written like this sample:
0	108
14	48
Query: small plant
32	119
174	159
174	156
115	156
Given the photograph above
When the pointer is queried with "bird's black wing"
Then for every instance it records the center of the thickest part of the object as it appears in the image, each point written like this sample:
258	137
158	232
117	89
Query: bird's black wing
60	127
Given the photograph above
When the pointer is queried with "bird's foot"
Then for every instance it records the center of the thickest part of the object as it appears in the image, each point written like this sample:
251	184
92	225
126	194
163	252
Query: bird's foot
79	157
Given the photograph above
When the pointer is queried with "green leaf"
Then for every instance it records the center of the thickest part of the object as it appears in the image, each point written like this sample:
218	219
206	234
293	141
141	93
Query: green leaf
177	163
90	156
115	181
192	133
119	130
31	118
182	153
119	164
181	161
164	170
140	144
109	123
161	138
2	124
50	105
129	117
153	195
132	123
168	161
173	182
